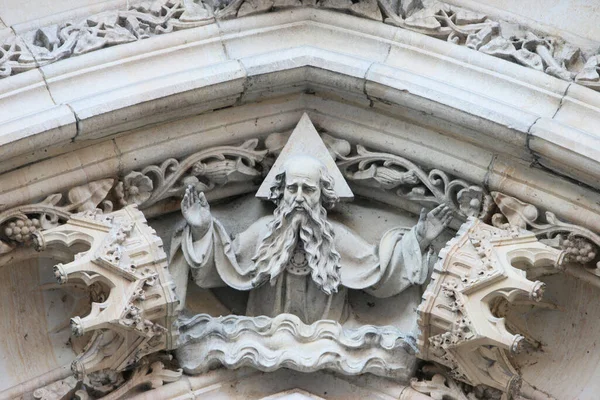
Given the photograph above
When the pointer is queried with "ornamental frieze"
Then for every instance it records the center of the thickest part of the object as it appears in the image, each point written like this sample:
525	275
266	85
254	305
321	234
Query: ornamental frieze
530	48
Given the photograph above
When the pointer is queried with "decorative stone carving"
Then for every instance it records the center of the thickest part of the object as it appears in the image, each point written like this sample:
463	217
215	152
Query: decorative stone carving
437	384
17	225
298	267
205	170
55	390
590	74
221	166
55	42
126	259
285	341
148	374
306	140
240	8
480	266
580	244
409	181
477	31
453	24
534	52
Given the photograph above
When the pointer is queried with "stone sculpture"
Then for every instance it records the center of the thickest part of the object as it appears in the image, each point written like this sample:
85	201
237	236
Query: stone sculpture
300	249
298	267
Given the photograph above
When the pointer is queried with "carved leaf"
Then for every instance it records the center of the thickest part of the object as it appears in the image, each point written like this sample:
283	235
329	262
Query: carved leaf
275	142
466	17
53	199
87	197
516	212
336	147
424	19
249	144
438	389
590	70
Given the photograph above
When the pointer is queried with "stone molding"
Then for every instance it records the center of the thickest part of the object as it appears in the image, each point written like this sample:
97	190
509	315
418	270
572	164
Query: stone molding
522	117
475	30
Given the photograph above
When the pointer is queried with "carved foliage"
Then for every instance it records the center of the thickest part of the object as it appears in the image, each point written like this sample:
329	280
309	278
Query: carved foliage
453	24
149	18
149	375
478	32
544	54
18	224
226	165
590	73
439	387
225	9
436	383
72	38
580	244
205	170
409	181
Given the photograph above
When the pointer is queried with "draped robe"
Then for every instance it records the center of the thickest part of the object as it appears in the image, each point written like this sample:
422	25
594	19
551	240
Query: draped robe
215	260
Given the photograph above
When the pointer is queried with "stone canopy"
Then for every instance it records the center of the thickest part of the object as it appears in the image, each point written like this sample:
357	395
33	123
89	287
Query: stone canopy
110	113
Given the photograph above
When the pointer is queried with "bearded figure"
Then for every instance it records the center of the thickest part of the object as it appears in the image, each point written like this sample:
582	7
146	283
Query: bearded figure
297	262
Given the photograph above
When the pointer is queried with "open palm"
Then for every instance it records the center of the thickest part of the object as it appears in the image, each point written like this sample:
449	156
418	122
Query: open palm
196	211
432	224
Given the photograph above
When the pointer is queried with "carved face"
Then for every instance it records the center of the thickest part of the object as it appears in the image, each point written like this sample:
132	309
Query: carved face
302	183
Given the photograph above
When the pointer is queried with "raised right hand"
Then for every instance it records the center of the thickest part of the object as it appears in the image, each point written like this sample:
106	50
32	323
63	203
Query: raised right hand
196	211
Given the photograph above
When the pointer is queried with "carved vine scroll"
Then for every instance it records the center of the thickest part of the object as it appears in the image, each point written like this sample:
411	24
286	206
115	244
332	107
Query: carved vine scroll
580	244
411	182
457	25
17	225
207	169
49	44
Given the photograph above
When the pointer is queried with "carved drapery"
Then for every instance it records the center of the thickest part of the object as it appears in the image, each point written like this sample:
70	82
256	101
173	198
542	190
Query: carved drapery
474	30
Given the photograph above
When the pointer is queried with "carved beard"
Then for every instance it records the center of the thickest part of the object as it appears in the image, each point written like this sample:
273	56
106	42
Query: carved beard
316	233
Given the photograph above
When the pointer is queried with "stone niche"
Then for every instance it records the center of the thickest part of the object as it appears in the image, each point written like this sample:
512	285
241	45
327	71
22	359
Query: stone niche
251	199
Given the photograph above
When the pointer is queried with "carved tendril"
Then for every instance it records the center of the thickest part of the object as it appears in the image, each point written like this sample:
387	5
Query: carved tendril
407	180
205	170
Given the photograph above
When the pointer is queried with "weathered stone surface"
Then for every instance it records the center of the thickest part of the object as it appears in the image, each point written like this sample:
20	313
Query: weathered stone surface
463	110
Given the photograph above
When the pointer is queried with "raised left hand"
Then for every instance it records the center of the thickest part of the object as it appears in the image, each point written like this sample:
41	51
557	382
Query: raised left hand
431	224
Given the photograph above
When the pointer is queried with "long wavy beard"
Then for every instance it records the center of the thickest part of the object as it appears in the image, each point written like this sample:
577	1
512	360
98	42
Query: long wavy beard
316	233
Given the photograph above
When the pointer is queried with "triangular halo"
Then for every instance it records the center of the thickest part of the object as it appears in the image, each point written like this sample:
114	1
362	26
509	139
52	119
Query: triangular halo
305	140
